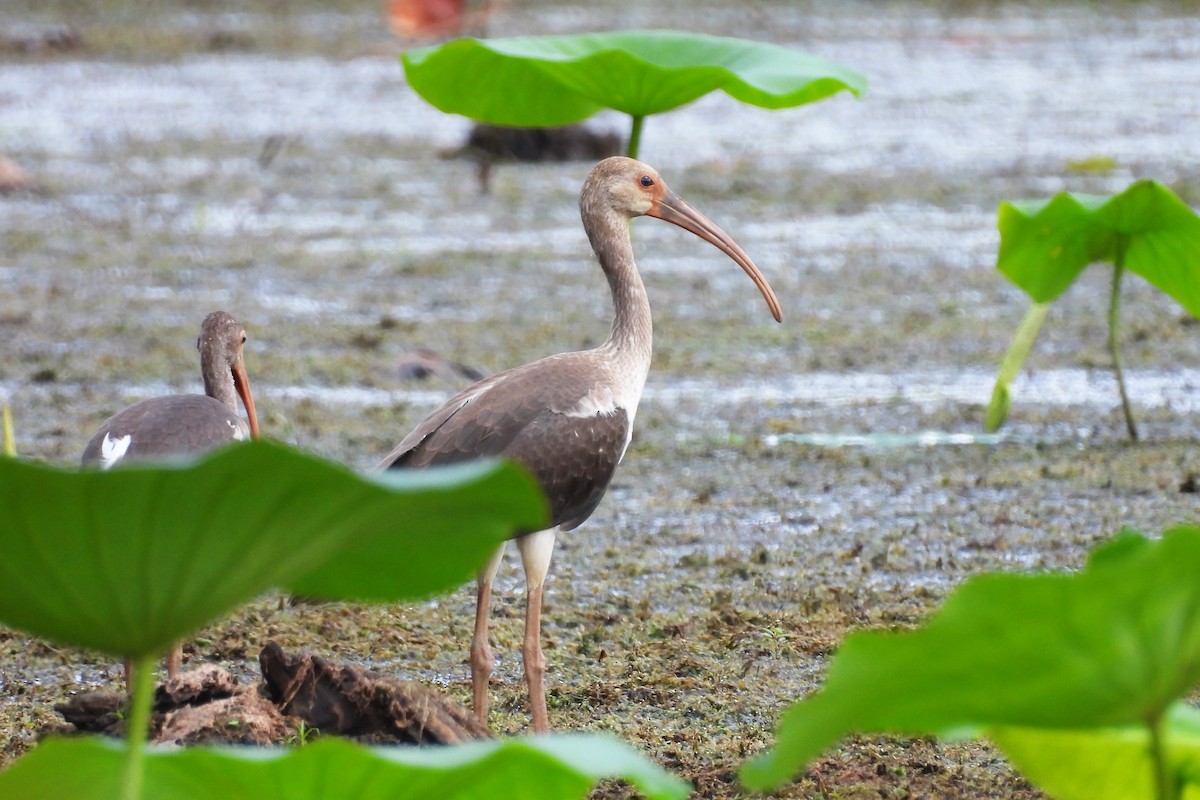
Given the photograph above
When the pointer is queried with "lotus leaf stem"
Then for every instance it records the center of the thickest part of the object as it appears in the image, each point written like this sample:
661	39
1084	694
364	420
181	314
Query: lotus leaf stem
1166	787
635	136
1114	311
8	444
137	726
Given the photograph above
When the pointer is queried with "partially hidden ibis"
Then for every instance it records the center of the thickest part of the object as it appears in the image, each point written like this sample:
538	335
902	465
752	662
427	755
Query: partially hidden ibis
184	424
567	418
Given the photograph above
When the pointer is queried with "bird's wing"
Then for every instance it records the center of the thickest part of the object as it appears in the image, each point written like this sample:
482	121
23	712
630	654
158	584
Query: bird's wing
161	427
545	417
404	452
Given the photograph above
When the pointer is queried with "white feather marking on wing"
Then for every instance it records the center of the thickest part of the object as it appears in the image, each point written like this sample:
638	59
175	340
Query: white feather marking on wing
600	400
239	432
112	450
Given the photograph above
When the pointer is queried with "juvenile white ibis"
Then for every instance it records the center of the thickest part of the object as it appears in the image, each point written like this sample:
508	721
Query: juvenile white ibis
184	424
567	418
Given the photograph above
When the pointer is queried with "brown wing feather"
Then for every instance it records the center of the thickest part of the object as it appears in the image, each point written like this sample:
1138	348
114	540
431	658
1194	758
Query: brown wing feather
404	452
167	426
519	415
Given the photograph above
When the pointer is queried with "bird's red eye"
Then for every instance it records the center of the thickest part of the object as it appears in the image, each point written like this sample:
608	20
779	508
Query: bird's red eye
647	180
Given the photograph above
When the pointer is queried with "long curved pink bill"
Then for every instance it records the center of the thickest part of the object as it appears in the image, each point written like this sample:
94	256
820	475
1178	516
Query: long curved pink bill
242	383
677	211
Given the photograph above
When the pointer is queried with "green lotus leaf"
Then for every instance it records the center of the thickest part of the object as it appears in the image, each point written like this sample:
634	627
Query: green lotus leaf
1115	644
550	767
1045	245
556	80
1105	763
129	560
458	516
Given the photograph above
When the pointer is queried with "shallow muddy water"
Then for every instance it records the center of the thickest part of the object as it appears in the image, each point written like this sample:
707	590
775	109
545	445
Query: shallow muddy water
786	484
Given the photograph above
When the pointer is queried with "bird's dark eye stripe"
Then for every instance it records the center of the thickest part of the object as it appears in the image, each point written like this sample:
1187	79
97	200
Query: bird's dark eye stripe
647	180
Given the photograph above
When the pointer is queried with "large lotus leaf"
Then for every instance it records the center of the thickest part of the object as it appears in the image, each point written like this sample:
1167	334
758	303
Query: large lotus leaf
556	80
456	528
1045	245
1105	763
1112	645
550	767
129	560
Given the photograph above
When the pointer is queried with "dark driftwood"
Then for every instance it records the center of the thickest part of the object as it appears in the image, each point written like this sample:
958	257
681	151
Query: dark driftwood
351	701
93	712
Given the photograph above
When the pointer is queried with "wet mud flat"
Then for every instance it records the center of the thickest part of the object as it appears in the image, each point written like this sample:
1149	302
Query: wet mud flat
786	484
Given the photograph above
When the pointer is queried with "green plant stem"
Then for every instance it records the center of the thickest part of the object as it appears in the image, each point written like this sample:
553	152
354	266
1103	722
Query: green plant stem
137	726
635	136
1018	351
1165	785
8	443
1114	311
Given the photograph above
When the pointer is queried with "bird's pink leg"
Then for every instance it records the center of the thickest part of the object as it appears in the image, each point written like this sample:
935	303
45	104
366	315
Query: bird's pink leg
174	664
481	652
175	660
536	549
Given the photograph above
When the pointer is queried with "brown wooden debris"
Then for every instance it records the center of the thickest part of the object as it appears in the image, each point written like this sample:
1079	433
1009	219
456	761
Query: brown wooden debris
244	718
206	705
93	712
351	701
204	684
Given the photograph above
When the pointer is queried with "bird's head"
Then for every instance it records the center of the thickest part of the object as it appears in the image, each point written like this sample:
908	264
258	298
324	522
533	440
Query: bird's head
222	346
633	189
625	185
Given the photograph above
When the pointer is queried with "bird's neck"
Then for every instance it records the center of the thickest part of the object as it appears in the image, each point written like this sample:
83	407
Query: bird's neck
632	335
218	382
